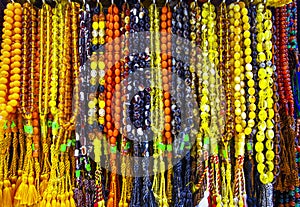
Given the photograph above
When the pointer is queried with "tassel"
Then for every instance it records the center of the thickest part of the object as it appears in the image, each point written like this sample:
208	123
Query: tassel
63	200
67	199
1	195
44	183
53	203
19	180
49	197
33	197
21	196
204	201
72	201
7	201
43	202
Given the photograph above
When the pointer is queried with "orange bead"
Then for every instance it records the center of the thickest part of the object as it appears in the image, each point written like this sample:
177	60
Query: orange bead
107	110
116	25
116	18
163	17
167	110
109	72
117	72
168	118
164	64
167	102
116	10
115	133
164	9
110	9
166	87
108	125
167	126
108	117
117	79
164	72
108	102
168	134
109	80
163	25
164	56
110	132
165	79
35	115
117	33
35	123
113	140
108	95
35	130
169	15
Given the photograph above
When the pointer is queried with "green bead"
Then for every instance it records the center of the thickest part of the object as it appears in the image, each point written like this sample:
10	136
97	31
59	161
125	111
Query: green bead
32	147
88	167
169	148
186	138
69	142
63	147
28	129
77	173
13	124
113	149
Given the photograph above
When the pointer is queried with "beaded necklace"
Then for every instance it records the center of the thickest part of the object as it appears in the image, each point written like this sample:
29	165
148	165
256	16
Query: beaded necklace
225	74
125	145
55	53
251	101
157	126
238	84
27	104
45	69
113	87
180	65
10	62
166	65
97	75
195	68
139	21
265	104
204	104
214	98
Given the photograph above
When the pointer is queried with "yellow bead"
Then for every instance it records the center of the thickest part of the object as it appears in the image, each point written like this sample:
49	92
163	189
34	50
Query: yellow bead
252	115
101	65
95	25
238	128
260	167
102	104
248	131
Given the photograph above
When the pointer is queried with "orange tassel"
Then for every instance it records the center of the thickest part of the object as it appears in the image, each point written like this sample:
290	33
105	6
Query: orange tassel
7	201
21	196
72	201
33	196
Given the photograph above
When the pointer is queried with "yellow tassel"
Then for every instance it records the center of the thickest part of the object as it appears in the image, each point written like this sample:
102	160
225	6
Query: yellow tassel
19	180
48	196
21	196
33	196
44	183
1	196
43	203
67	200
7	201
13	181
53	203
72	201
63	201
